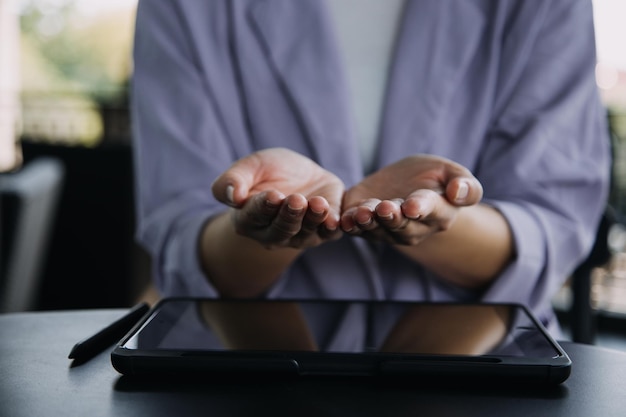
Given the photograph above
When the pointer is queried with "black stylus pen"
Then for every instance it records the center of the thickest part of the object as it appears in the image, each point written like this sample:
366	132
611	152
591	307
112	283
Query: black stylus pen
90	347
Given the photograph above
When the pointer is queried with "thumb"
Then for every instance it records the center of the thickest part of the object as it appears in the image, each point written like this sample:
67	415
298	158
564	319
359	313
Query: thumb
464	191
230	190
233	185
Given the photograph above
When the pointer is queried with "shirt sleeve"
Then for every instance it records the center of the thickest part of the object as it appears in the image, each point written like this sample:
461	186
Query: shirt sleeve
546	162
174	114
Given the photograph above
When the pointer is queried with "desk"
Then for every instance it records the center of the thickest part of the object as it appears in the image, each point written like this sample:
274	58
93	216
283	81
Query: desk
36	379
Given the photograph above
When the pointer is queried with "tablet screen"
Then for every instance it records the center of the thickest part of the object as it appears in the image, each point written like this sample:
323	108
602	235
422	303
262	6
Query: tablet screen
343	327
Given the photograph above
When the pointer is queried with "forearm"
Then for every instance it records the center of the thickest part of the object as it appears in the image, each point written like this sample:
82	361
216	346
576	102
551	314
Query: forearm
239	266
472	252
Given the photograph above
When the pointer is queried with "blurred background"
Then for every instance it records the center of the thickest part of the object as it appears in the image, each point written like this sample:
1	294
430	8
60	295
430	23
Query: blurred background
67	210
66	238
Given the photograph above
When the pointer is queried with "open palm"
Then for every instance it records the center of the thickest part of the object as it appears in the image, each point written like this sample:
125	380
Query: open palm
282	198
409	200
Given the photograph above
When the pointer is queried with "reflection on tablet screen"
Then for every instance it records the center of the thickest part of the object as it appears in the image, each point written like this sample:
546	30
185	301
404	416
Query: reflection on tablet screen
329	326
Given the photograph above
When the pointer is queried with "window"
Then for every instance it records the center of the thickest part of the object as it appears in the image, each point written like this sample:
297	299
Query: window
75	64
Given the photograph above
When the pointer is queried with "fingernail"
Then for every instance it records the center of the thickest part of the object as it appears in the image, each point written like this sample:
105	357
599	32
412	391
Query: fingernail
230	194
462	192
367	223
271	204
294	210
388	216
348	228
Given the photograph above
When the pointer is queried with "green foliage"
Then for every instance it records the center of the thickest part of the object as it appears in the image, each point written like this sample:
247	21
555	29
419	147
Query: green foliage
90	53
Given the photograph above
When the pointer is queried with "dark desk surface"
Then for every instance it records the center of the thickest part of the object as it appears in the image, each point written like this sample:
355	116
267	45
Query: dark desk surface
37	379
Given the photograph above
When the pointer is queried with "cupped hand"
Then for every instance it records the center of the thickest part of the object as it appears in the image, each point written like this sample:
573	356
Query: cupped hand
407	201
282	199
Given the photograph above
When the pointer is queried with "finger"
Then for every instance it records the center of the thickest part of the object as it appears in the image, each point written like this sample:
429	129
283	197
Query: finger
364	216
333	220
316	214
332	223
389	215
320	220
464	191
420	203
330	232
258	212
430	208
233	185
288	222
231	188
348	224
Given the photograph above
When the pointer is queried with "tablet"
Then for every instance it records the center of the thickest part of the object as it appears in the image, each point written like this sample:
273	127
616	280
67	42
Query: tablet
305	338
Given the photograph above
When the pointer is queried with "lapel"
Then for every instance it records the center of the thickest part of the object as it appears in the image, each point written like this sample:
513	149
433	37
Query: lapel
436	43
299	40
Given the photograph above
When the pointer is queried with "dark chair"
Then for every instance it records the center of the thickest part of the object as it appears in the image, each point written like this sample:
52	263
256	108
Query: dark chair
28	201
93	259
582	312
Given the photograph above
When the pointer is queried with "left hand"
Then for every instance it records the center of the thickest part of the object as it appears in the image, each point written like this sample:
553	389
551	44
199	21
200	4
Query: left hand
409	200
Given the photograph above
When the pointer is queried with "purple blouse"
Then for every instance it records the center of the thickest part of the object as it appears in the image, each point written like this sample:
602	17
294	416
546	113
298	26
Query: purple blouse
504	87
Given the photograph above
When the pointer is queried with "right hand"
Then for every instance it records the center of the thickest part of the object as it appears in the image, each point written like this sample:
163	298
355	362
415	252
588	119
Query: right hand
281	198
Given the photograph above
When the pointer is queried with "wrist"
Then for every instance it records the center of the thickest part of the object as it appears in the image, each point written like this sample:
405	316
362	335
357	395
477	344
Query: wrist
238	266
